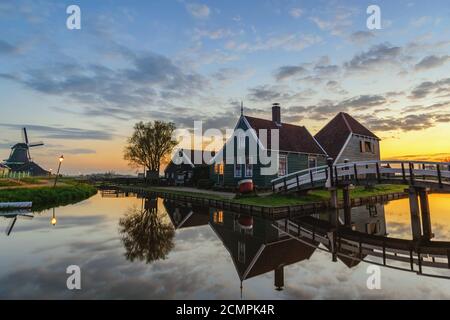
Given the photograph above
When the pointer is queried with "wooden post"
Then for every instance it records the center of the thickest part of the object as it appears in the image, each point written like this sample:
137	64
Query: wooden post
336	175
439	175
356	173
411	173
378	172
403	172
425	214
298	182
311	178
347	207
415	214
285	184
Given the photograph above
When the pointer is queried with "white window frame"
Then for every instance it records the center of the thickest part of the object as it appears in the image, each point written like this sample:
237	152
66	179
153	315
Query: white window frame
286	165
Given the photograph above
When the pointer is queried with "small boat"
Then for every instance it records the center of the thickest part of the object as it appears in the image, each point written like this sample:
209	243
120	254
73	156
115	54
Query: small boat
245	222
16	205
245	186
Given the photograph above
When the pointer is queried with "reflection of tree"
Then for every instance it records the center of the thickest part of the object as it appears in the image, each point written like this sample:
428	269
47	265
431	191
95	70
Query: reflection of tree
145	235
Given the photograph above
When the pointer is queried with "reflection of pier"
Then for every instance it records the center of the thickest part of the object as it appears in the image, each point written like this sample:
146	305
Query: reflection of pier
358	246
12	216
115	193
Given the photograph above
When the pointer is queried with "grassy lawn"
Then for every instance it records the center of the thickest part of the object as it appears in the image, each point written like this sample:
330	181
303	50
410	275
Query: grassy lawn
47	197
277	200
8	183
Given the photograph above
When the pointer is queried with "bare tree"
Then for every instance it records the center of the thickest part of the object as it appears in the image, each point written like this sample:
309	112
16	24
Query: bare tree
150	144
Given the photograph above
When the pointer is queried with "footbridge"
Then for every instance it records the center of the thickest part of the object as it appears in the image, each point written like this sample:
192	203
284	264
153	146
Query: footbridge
432	175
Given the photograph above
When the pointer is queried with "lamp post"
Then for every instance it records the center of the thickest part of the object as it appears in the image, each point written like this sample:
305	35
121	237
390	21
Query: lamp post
61	159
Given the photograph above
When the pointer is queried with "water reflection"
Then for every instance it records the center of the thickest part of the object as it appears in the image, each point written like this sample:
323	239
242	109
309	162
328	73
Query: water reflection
208	254
145	234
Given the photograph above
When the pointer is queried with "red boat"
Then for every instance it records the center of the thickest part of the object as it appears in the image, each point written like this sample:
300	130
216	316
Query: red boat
245	186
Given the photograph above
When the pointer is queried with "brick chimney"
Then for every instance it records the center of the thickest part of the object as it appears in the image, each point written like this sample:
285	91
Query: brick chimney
276	113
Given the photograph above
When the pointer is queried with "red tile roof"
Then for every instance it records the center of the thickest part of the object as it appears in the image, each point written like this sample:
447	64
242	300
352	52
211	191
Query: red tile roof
333	136
292	138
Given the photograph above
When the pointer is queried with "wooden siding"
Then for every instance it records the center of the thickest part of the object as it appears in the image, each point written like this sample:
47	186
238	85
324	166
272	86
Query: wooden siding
352	150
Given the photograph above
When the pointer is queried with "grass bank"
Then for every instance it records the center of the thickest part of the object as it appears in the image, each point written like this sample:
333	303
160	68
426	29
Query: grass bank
47	197
279	200
275	200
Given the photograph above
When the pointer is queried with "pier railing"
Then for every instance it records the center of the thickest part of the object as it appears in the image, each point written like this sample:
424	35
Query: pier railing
425	173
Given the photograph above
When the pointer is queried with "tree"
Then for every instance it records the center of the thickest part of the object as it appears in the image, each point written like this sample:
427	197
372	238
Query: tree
150	144
145	234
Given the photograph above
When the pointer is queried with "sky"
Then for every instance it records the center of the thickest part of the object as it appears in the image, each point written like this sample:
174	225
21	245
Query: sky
81	91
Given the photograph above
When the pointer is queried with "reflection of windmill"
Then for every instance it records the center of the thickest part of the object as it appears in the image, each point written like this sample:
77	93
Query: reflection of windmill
20	159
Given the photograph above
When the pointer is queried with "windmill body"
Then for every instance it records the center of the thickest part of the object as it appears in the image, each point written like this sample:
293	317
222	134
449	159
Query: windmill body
20	159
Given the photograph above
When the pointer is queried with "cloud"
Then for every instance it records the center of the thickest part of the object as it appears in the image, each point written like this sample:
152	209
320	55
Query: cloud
296	12
361	37
286	42
340	21
411	122
62	132
432	61
148	80
197	10
286	72
428	87
376	57
7	48
212	34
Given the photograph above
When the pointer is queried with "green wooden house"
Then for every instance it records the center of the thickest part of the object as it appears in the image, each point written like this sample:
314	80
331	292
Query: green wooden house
298	150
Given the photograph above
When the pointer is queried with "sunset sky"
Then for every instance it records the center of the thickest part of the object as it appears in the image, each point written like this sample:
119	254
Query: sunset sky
81	91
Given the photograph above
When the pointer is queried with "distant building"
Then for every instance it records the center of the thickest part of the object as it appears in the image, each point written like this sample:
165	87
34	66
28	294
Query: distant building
298	150
181	168
345	139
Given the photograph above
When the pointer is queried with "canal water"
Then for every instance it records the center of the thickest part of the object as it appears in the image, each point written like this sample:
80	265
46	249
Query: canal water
132	248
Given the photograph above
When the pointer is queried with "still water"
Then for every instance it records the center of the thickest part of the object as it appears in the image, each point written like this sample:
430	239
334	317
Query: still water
195	253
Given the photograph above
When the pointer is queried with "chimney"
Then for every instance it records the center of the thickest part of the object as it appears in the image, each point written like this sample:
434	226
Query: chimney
276	113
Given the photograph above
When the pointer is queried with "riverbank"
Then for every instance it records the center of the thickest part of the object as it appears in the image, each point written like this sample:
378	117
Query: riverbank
278	200
44	197
273	206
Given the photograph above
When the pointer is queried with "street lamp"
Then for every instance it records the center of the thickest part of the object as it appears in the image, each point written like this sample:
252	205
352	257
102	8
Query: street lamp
61	159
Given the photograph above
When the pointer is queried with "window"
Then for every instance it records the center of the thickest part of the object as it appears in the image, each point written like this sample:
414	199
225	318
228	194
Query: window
282	165
312	162
248	170
237	170
249	167
218	169
241	141
366	146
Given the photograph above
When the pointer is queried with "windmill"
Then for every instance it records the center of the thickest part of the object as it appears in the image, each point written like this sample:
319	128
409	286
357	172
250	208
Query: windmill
20	159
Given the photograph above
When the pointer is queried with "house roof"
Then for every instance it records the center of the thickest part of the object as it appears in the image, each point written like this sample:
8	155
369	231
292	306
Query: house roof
281	253
189	157
333	136
292	137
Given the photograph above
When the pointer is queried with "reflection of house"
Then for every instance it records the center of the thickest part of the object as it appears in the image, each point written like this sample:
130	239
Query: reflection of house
297	147
181	168
183	216
369	219
4	170
259	248
344	138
